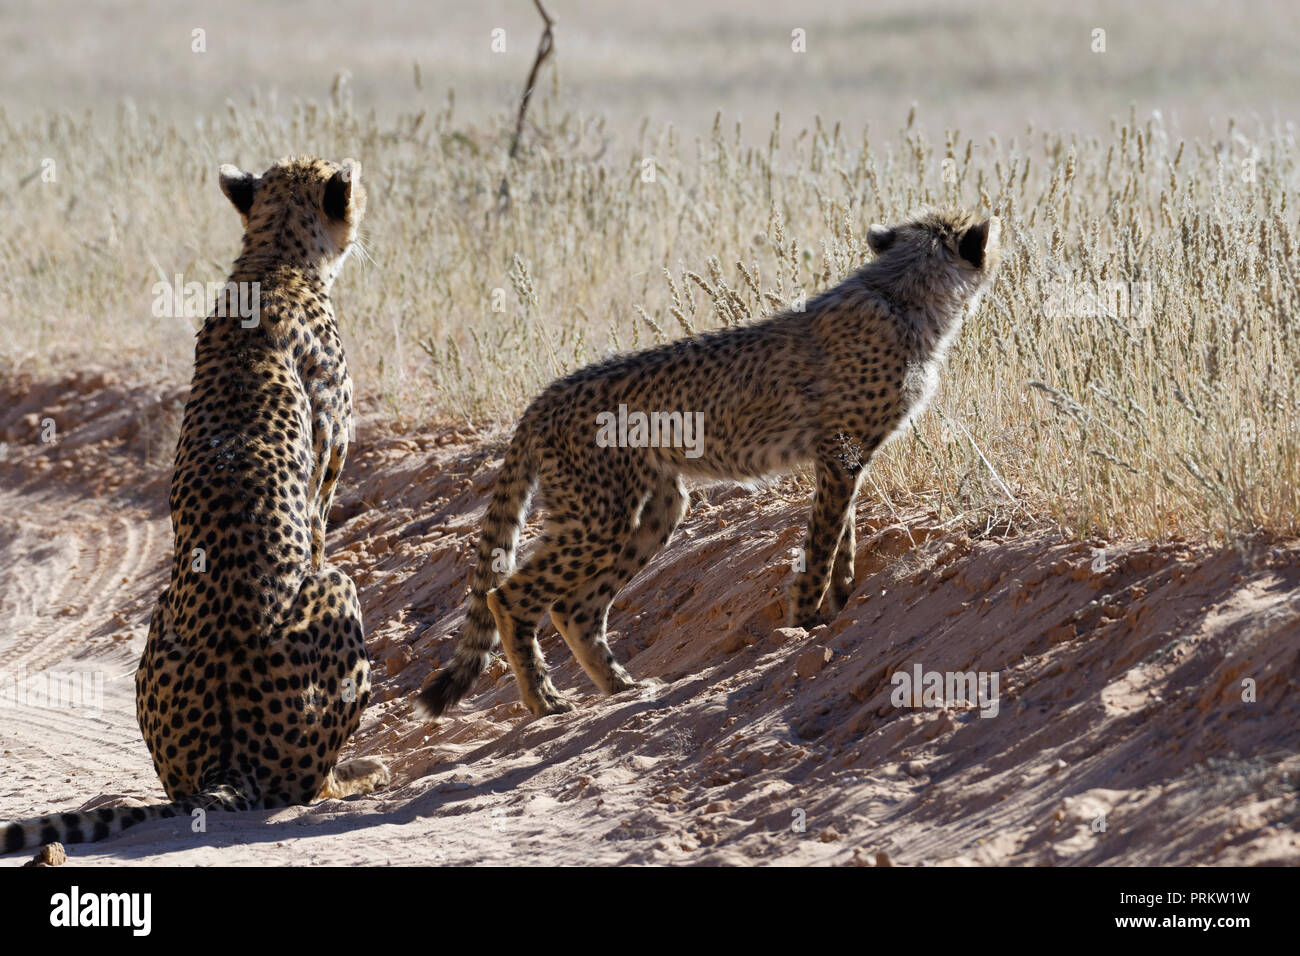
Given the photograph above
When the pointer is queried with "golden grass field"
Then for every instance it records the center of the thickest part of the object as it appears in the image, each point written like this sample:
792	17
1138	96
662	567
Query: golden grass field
1099	511
1135	371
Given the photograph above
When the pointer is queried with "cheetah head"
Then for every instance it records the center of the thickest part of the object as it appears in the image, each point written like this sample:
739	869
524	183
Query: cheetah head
306	211
950	247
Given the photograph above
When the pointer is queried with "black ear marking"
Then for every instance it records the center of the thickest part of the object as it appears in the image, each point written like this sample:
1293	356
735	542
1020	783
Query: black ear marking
880	238
971	247
338	193
238	187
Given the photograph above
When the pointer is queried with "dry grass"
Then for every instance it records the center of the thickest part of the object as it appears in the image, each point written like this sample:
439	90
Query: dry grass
1172	413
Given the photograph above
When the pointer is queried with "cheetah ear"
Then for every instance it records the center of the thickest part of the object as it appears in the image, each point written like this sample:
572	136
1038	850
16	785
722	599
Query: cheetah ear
880	238
976	240
338	191
238	187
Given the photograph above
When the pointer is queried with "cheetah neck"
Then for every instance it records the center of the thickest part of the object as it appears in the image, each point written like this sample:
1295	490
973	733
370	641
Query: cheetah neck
271	267
290	300
932	328
930	312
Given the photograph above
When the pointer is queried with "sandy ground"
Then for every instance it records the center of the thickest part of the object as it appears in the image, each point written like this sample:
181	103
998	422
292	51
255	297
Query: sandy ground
1121	734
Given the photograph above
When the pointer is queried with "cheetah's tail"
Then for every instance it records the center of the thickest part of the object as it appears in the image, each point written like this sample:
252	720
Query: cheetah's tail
88	826
496	559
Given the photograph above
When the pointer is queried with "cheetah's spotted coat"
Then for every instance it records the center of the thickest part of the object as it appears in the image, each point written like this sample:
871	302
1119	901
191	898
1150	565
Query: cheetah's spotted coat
254	673
828	385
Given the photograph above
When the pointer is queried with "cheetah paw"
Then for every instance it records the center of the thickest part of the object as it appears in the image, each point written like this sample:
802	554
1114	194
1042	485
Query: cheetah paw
546	700
546	706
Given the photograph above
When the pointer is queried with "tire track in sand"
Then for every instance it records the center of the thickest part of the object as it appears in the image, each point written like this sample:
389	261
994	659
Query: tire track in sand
69	580
77	581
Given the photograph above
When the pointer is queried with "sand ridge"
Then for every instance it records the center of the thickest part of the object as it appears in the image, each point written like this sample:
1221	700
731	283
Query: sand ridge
1120	736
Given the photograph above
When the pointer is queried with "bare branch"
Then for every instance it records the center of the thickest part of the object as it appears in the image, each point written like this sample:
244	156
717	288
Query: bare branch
544	48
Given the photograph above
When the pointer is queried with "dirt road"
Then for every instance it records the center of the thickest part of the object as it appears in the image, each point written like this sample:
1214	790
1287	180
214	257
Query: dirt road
1144	710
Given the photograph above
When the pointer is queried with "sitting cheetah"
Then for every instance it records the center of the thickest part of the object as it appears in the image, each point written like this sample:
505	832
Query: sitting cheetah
255	672
827	385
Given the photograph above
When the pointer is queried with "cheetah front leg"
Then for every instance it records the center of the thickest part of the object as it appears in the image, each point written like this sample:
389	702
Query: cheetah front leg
329	468
829	532
842	573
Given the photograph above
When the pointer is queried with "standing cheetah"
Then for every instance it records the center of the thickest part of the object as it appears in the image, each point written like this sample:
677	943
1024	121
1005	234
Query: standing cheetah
828	385
255	672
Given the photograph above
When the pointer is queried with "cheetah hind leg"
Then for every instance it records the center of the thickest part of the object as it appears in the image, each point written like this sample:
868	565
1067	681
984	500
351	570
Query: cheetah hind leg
535	687
581	617
519	602
351	777
326	617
